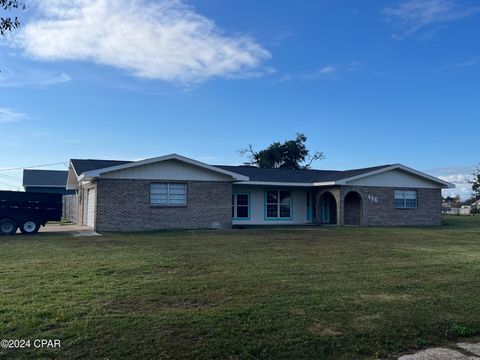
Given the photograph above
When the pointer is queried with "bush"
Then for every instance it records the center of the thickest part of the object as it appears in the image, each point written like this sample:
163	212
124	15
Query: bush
457	330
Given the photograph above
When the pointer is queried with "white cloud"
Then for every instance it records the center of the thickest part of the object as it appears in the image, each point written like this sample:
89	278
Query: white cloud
8	116
164	40
20	77
328	69
412	16
460	176
333	70
464	64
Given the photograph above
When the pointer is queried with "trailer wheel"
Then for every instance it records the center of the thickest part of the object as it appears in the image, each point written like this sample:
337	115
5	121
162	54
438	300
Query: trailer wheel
30	226
8	227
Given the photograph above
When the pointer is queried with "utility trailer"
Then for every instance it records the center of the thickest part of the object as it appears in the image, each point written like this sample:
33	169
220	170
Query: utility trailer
28	211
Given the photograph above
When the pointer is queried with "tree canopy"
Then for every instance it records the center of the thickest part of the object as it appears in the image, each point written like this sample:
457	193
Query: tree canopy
476	183
291	154
454	200
9	23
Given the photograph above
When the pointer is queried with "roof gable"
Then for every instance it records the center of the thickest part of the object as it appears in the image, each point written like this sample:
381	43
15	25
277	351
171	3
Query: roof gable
412	172
394	178
86	175
83	165
171	169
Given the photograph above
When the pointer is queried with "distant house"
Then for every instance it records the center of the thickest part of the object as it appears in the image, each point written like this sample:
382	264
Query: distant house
476	206
450	209
52	182
172	192
465	210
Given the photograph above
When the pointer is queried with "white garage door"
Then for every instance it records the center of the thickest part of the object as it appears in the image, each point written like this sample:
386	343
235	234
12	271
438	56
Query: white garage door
91	207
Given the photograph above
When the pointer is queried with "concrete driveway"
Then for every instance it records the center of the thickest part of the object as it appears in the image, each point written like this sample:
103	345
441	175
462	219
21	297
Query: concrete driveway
74	229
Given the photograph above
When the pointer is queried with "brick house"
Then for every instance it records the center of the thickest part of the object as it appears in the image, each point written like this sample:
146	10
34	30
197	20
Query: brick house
175	192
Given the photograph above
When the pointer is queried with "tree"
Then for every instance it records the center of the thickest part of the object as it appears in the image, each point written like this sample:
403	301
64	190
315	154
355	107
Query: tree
292	154
476	183
453	200
8	23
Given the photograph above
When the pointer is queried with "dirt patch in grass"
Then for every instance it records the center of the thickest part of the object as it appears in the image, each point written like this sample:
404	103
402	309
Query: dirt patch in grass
146	306
296	312
324	330
389	297
367	322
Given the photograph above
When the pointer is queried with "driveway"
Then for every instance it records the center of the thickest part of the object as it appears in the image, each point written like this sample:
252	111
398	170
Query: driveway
74	229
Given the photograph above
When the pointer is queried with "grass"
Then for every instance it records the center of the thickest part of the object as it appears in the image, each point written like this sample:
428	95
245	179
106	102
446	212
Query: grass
321	293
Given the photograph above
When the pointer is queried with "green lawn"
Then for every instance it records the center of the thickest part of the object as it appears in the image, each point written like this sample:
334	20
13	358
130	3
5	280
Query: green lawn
338	293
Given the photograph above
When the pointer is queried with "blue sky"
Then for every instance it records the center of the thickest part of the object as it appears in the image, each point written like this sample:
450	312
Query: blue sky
368	82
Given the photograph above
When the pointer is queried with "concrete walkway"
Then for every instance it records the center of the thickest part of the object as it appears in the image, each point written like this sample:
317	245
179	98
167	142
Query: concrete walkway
465	351
73	229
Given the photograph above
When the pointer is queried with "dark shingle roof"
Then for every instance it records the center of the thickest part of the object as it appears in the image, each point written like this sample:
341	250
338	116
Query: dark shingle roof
53	178
82	165
296	176
254	173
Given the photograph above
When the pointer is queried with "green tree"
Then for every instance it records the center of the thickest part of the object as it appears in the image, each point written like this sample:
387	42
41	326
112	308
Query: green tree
453	200
476	183
291	154
9	23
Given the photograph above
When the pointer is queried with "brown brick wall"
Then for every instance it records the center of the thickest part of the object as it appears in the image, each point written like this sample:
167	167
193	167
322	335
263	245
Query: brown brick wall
352	204
124	205
378	207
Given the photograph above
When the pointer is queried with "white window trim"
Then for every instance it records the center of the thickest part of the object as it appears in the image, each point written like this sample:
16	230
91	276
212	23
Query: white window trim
404	206
278	203
168	204
235	206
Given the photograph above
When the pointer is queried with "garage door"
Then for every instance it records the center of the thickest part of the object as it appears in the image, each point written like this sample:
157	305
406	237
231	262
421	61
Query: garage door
91	207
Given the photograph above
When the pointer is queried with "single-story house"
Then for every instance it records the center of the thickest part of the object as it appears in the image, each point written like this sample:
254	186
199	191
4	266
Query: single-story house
52	182
176	192
465	210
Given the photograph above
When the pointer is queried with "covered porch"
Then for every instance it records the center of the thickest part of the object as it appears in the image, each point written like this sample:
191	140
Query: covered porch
295	205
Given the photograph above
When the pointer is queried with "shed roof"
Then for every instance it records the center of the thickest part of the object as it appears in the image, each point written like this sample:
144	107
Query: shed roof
51	178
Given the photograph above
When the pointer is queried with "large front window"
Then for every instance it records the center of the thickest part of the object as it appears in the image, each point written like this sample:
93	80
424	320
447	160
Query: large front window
278	204
168	194
240	206
405	199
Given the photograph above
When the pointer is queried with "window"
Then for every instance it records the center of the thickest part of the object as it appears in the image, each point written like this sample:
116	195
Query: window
240	206
278	204
405	199
168	194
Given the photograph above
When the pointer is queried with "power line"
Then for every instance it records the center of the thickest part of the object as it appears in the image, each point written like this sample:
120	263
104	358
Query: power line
32	167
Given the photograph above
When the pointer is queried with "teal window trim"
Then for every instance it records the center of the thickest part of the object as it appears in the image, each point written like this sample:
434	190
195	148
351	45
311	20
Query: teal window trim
249	204
265	205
